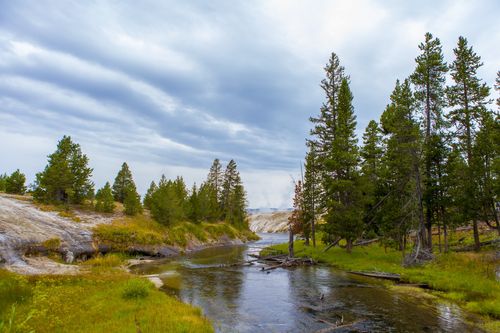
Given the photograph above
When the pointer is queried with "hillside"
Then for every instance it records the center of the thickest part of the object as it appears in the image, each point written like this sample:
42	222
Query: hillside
269	222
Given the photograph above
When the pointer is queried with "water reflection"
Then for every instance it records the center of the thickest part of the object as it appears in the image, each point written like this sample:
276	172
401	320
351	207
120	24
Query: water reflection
304	299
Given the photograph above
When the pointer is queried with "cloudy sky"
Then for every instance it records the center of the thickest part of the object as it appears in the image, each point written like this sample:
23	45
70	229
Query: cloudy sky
170	85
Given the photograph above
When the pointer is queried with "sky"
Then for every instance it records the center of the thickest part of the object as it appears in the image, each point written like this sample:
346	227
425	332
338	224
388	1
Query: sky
167	86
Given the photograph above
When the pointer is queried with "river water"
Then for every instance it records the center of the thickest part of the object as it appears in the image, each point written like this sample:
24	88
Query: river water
301	299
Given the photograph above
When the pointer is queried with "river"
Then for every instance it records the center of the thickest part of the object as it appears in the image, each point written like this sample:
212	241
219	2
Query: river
302	299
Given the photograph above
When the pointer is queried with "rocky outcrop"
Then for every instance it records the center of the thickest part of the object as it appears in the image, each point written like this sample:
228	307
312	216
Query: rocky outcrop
269	222
24	229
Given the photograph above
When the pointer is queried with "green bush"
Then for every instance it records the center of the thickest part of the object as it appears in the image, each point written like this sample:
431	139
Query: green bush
136	289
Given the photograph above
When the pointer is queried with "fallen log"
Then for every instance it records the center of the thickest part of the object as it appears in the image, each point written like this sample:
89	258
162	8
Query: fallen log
379	275
332	245
366	242
473	247
334	327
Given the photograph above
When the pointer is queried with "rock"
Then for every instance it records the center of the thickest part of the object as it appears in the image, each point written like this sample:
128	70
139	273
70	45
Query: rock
69	257
269	222
167	251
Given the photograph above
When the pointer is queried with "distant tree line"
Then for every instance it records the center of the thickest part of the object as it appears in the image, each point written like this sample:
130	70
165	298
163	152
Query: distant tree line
67	180
432	160
220	197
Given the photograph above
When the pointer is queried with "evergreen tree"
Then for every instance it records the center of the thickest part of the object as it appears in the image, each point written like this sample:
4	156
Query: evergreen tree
371	164
167	206
66	178
311	193
467	97
132	201
194	206
400	170
342	187
486	159
122	182
429	79
149	194
216	178
325	125
14	184
296	219
207	200
233	196
497	87
3	181
104	199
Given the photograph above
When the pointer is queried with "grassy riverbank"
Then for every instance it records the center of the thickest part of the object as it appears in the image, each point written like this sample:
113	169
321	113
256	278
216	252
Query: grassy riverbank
103	299
465	278
142	230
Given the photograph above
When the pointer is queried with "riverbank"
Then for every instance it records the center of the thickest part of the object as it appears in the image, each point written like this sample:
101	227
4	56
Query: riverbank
44	239
468	279
103	298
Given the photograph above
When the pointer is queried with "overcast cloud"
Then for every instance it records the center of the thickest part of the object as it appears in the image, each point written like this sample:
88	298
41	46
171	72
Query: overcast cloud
170	85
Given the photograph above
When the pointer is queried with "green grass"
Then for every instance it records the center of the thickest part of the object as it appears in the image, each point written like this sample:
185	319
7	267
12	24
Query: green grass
142	230
103	301
466	278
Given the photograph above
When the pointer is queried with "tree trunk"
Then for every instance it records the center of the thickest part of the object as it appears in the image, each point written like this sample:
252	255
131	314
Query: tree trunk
291	254
349	246
445	234
495	215
421	228
313	229
477	243
439	238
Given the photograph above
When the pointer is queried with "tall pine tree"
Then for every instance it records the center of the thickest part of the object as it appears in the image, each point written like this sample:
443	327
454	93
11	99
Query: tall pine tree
467	97
342	187
429	80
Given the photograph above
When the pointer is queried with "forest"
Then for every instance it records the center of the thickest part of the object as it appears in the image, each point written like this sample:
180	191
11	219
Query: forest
429	164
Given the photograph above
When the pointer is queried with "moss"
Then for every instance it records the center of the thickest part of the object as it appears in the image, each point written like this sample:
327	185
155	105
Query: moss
52	244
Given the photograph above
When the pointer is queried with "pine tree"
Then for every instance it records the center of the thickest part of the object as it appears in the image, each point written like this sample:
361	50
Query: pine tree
15	183
149	194
132	201
486	159
104	199
166	206
400	170
325	125
216	178
311	192
429	79
3	181
468	97
233	196
66	178
209	209
497	87
371	164
296	219
194	206
122	182
342	188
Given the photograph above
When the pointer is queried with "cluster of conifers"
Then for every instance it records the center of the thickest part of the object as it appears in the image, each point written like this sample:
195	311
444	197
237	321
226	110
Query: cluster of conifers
67	180
431	162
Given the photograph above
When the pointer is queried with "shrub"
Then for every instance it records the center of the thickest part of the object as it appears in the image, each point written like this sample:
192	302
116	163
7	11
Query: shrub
136	289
